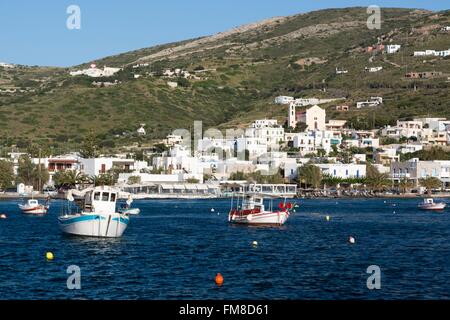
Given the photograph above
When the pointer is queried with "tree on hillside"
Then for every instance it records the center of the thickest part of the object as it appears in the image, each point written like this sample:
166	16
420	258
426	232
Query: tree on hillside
89	147
430	184
310	175
435	153
6	174
31	174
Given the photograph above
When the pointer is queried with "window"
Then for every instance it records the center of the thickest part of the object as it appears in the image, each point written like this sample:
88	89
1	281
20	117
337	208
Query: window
113	197
105	196
97	196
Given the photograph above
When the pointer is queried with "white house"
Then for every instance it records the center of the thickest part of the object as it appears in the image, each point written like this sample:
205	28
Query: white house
410	148
95	72
141	131
410	128
264	123
393	48
343	171
178	160
255	146
373	102
284	100
341	71
373	69
98	166
266	130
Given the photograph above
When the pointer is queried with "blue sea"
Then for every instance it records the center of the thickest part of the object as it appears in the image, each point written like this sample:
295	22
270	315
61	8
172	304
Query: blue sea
174	249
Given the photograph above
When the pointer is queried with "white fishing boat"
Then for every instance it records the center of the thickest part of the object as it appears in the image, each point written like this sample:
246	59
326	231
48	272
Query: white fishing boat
98	216
429	204
253	212
32	206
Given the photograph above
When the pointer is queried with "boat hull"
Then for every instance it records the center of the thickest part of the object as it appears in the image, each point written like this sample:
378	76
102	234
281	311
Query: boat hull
39	210
94	225
434	207
264	218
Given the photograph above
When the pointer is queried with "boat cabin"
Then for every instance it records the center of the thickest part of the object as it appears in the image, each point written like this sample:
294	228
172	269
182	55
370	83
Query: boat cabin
100	201
428	201
32	203
251	203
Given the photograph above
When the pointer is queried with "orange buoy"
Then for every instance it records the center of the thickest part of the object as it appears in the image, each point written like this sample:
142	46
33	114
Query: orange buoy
219	279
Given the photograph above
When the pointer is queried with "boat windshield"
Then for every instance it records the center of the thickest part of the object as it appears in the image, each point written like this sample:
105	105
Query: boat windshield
105	196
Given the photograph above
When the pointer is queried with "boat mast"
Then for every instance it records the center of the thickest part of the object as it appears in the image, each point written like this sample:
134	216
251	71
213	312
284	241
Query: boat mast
39	171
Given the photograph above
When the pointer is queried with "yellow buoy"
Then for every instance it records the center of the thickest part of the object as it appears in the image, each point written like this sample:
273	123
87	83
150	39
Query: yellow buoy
49	255
255	243
328	218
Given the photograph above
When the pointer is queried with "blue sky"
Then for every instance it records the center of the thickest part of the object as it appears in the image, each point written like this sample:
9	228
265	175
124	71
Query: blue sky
35	33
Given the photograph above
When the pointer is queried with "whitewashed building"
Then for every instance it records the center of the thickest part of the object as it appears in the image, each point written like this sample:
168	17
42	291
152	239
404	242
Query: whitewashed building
392	48
343	171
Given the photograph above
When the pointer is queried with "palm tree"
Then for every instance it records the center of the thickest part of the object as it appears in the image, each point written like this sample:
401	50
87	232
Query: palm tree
69	178
311	175
376	181
104	179
405	185
430	183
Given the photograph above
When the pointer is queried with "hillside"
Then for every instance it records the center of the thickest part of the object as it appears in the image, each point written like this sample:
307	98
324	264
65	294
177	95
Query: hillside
240	72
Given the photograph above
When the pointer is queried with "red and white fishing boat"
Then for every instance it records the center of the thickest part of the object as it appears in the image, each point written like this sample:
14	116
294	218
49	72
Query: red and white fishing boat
429	204
253	212
32	206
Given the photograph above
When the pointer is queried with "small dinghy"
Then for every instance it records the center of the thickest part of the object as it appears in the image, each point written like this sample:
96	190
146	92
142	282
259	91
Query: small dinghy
32	206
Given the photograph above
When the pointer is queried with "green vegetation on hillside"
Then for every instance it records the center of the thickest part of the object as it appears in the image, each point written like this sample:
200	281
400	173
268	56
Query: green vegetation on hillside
239	75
